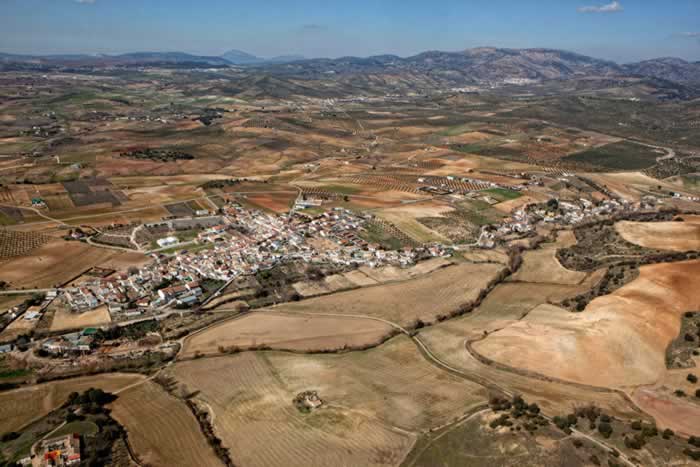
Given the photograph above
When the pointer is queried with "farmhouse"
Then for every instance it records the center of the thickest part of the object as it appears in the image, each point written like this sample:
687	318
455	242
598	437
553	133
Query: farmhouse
59	451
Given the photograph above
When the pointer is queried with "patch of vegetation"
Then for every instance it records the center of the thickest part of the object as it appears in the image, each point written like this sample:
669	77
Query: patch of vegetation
159	155
503	194
686	345
622	155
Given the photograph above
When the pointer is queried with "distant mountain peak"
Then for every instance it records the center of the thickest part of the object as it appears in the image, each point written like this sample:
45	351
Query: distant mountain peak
239	57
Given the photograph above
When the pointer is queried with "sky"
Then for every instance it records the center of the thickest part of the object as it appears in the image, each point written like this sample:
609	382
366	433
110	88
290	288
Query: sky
624	30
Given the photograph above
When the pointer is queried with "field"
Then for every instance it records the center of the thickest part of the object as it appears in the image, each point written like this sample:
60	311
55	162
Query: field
611	343
161	428
288	332
65	319
53	263
542	265
618	156
20	406
373	402
366	276
17	244
674	236
425	298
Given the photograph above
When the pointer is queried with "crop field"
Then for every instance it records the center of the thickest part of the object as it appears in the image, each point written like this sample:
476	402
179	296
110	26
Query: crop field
365	394
287	332
618	156
424	298
53	263
611	343
15	244
20	406
161	428
674	236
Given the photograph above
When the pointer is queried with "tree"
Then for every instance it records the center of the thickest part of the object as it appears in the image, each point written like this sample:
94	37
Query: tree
692	378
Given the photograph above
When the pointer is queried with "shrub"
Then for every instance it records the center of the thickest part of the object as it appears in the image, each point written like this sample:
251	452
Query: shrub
679	393
694	441
577	443
605	429
667	433
636	425
692	378
695	455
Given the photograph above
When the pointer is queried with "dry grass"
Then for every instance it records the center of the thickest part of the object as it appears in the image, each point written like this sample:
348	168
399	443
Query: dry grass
161	428
20	406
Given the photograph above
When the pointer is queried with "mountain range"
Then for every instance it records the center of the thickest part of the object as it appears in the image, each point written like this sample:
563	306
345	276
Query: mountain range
478	65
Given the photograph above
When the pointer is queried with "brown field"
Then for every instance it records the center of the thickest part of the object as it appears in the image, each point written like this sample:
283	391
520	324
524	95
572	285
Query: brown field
53	263
674	236
370	399
669	411
288	332
543	266
20	406
366	276
619	340
65	319
425	298
629	185
161	428
275	202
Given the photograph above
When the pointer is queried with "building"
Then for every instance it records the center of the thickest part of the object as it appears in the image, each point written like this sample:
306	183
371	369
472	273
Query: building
167	241
64	450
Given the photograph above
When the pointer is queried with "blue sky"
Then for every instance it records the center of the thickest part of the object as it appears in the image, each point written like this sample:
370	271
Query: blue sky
623	30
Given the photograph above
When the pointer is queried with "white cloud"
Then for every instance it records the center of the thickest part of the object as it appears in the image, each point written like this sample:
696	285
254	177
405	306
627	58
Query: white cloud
690	34
613	7
89	2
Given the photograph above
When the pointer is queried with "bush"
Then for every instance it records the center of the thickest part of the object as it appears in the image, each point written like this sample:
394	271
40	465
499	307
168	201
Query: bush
679	393
636	425
692	378
667	433
605	429
697	393
577	443
695	455
635	442
694	441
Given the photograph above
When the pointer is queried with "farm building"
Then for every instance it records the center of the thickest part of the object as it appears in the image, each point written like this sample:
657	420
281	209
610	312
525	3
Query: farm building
167	241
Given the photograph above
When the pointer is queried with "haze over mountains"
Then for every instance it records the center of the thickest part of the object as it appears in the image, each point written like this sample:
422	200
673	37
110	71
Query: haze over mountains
464	67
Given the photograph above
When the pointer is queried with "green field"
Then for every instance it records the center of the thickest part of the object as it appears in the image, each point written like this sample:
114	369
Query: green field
618	156
502	194
342	189
373	233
